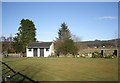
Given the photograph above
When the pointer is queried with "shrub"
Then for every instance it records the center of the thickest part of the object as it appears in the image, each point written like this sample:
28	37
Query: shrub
107	56
96	55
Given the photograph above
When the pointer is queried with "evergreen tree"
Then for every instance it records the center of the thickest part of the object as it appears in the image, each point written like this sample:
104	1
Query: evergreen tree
64	43
67	47
25	35
64	32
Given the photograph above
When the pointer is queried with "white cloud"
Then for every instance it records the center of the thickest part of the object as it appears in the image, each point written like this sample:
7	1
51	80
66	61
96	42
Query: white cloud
108	18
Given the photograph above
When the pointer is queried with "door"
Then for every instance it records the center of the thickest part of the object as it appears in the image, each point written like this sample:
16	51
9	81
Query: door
41	52
35	52
102	53
115	52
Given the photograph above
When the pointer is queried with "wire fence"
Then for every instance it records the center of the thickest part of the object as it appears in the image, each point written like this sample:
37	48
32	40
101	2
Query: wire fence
10	76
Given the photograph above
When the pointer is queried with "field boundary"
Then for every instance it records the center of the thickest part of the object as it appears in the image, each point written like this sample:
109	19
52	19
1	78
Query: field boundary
8	78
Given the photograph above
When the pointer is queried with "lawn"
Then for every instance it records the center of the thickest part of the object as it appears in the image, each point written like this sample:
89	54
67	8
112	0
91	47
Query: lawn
66	69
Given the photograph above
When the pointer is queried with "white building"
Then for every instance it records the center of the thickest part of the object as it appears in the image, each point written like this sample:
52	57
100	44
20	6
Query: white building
40	49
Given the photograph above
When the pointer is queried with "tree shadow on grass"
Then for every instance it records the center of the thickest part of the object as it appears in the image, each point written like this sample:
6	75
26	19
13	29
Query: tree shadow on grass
32	71
15	77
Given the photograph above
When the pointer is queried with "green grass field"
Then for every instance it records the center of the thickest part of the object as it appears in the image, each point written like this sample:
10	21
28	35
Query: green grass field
66	69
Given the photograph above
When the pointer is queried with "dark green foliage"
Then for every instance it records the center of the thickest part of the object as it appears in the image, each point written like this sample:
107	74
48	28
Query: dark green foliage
25	35
67	47
64	43
64	32
96	55
107	56
17	45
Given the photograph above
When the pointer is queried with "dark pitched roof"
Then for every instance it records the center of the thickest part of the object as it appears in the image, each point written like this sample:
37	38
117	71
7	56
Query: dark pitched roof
39	45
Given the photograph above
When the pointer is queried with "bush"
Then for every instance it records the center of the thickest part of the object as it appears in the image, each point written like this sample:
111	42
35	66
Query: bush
96	55
107	56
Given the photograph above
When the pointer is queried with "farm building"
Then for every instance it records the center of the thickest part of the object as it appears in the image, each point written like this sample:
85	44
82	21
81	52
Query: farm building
87	48
108	47
40	49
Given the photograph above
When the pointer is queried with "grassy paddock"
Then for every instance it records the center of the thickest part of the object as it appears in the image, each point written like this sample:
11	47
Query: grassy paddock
64	69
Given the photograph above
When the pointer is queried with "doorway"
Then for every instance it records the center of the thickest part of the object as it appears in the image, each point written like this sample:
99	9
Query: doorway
41	52
115	52
35	52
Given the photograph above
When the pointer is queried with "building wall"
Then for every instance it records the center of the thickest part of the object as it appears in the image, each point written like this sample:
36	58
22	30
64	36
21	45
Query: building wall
46	53
29	53
50	52
38	52
90	51
52	49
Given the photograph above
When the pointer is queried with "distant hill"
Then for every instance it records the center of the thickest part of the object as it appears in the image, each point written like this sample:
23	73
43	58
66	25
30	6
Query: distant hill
100	44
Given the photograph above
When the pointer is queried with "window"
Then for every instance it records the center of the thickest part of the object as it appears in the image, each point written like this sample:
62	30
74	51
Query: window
29	49
47	49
